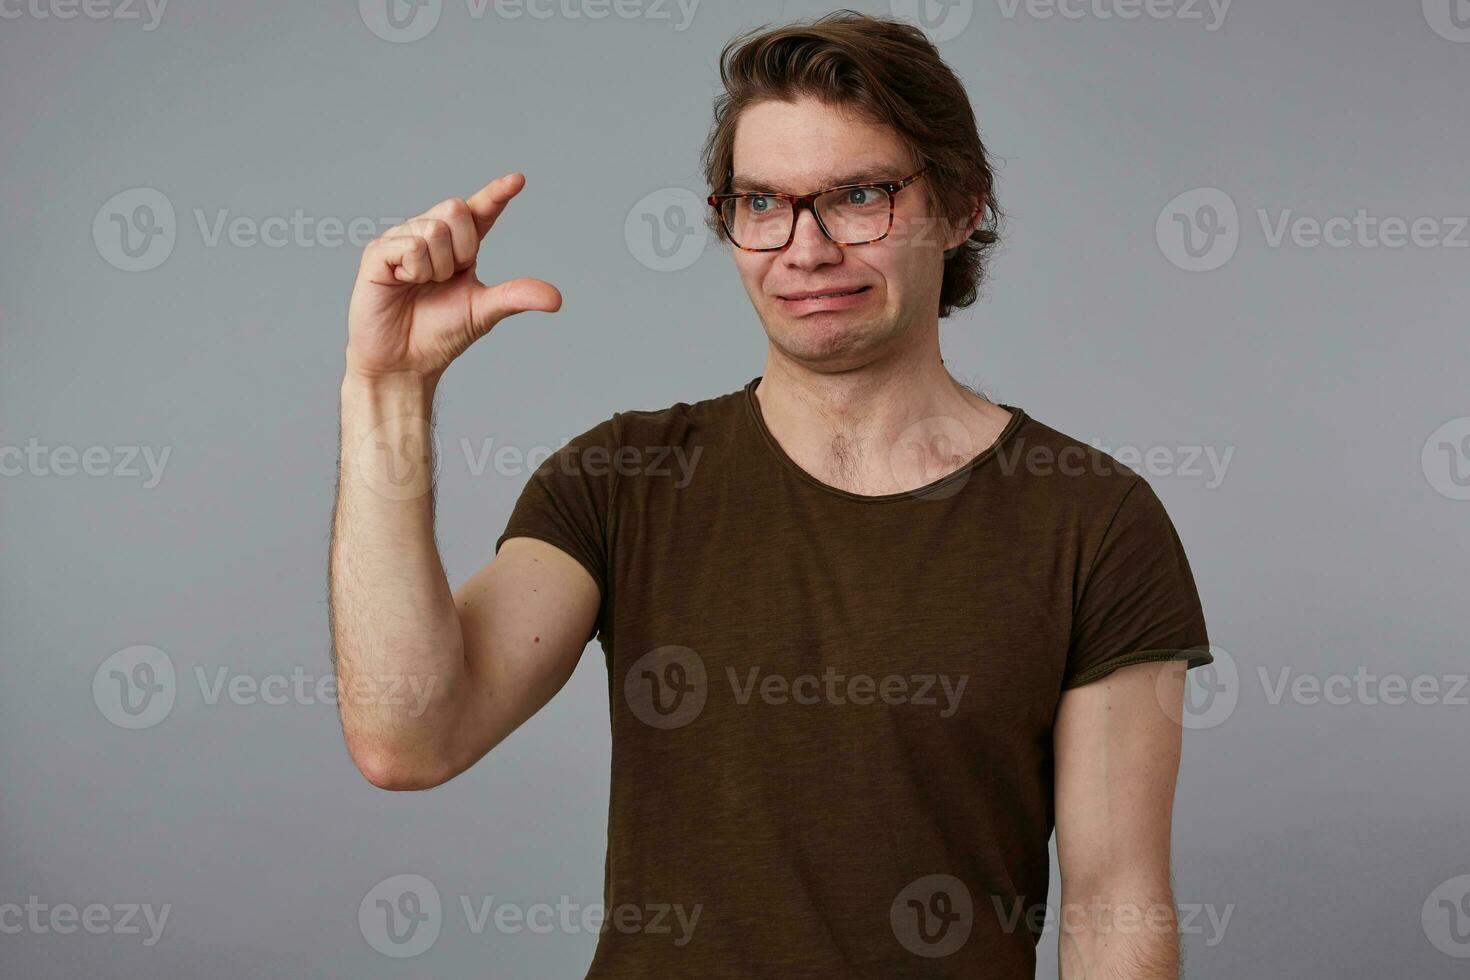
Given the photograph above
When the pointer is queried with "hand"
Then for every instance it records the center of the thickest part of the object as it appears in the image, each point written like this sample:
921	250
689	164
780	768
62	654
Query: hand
417	304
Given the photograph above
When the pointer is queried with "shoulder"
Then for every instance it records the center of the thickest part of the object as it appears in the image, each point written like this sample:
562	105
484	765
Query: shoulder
646	441
677	423
1061	472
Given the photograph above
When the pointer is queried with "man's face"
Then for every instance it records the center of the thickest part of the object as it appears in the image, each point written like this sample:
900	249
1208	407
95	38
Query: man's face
805	146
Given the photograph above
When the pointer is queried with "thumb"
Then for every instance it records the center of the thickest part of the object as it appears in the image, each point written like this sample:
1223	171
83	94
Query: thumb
491	304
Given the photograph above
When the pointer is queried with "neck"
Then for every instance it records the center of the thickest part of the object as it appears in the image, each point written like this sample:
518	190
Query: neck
890	426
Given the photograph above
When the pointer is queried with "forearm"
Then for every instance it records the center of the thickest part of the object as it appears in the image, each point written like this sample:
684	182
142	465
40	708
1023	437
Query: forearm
1119	931
397	644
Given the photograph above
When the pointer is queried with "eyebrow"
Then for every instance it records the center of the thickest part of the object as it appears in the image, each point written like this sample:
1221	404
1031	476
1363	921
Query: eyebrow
861	175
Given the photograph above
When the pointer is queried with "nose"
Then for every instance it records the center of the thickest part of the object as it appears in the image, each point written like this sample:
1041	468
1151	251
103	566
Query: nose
810	248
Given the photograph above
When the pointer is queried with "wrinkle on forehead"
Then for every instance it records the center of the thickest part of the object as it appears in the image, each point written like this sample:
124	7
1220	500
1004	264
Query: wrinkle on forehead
813	137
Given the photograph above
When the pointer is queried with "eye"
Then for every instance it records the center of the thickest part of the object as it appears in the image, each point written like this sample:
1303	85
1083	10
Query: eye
860	196
758	204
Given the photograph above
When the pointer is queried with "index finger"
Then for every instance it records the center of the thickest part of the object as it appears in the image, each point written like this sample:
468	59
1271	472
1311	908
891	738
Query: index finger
487	202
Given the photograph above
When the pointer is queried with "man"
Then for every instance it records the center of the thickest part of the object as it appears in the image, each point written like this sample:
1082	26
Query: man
869	636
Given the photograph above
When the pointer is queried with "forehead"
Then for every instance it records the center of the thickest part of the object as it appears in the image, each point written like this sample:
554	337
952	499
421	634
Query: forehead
806	145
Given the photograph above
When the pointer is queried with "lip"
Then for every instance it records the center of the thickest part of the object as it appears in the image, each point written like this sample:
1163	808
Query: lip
812	301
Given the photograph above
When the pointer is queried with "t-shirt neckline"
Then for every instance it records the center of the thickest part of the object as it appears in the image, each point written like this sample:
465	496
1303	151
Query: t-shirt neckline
1017	417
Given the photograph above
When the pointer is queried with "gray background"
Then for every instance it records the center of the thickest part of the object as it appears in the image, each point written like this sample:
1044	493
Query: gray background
1334	544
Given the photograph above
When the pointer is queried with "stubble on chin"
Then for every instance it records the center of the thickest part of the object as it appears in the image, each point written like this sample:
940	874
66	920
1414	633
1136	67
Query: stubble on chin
818	339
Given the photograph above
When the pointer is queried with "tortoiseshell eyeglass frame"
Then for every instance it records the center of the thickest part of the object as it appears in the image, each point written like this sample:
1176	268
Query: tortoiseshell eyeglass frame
808	201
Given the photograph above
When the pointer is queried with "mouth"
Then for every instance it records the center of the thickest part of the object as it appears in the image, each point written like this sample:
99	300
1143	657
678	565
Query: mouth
823	294
817	300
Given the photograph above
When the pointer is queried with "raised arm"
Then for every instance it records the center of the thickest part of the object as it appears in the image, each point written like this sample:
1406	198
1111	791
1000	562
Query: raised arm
428	680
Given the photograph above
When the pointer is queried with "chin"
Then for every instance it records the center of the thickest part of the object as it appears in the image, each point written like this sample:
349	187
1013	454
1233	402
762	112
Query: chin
824	338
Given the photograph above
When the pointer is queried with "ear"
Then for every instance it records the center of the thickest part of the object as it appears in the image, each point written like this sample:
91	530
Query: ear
953	243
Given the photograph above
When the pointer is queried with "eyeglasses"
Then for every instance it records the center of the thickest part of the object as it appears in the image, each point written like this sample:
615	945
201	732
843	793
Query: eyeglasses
852	214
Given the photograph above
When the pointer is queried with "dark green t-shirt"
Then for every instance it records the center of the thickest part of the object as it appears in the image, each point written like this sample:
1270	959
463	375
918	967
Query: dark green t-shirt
832	713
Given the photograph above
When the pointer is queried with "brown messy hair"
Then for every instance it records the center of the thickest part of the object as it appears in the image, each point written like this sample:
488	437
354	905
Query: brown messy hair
887	71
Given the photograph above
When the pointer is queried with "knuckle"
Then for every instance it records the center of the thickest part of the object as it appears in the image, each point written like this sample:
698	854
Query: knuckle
455	209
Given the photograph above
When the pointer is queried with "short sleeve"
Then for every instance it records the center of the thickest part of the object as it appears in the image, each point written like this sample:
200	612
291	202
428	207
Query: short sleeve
567	503
1138	601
